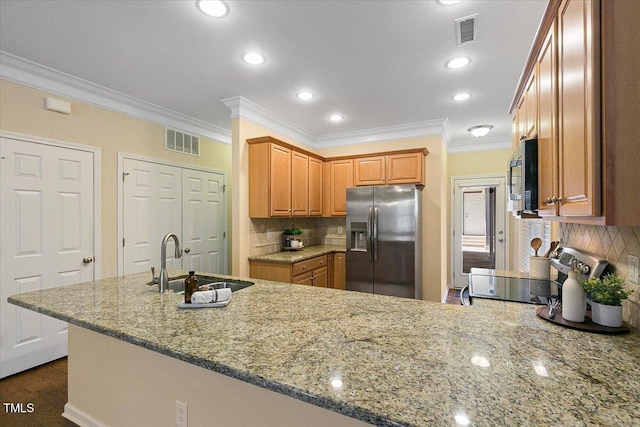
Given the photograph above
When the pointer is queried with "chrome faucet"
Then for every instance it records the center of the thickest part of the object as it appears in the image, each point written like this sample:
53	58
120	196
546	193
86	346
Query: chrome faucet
164	277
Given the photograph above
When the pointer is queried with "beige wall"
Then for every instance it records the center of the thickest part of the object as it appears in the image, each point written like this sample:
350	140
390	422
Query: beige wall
22	110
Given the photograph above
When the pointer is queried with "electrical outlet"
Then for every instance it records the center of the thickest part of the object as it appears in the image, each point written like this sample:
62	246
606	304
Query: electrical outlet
339	229
633	269
181	414
269	232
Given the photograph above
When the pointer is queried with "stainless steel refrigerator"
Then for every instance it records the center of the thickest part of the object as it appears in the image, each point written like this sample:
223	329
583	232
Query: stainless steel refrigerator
384	240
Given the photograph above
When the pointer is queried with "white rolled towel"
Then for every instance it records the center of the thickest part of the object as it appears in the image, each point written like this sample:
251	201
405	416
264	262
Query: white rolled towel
214	295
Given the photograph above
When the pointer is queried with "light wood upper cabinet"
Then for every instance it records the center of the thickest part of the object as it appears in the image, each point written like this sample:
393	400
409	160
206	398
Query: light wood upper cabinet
299	184
397	168
406	168
283	181
579	109
531	107
338	177
315	186
547	125
280	179
588	111
370	171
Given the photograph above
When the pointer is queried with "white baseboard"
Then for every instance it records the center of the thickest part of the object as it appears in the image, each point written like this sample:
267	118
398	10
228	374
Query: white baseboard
79	417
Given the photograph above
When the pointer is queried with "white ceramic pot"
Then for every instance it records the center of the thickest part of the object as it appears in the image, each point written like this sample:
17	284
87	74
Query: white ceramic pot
606	315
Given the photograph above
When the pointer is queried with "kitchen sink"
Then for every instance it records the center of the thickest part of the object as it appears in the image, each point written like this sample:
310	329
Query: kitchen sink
206	283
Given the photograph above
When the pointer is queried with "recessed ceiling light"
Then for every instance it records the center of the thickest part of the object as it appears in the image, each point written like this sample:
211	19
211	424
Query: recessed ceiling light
461	96
336	117
305	95
449	2
480	130
213	8
253	58
458	62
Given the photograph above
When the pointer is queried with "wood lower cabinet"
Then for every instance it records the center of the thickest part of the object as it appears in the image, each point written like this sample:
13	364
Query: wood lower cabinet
339	279
312	272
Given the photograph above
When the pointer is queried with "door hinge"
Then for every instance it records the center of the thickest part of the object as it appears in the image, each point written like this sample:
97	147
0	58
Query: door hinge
124	174
224	234
123	242
224	188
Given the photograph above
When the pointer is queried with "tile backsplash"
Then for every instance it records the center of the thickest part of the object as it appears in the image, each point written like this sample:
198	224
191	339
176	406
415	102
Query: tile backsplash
266	234
615	244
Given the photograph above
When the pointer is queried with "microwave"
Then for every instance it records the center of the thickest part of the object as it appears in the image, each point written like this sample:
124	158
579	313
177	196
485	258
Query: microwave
523	178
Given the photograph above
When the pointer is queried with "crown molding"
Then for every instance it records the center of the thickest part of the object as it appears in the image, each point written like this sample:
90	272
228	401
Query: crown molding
243	108
248	110
28	73
479	144
386	133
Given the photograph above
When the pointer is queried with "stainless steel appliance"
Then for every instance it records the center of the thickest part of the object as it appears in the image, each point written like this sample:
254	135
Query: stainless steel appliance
384	240
523	178
485	283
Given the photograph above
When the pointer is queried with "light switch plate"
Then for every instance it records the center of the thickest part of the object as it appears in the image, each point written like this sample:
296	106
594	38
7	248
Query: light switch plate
633	269
339	229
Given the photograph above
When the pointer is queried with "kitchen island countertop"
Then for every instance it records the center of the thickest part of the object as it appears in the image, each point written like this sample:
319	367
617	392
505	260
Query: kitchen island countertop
398	361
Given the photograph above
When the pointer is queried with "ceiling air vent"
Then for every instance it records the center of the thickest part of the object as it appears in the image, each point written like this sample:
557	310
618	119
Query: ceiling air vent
467	29
181	142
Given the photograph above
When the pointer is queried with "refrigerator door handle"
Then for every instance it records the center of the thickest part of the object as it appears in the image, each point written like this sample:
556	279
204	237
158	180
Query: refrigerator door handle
369	234
374	238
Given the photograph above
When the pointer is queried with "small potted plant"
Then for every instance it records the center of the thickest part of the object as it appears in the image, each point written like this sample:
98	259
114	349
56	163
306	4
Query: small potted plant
606	295
291	234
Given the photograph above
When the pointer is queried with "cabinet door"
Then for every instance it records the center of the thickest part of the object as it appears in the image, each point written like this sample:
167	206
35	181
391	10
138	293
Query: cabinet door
299	184
339	270
280	180
304	279
579	114
341	178
547	126
370	171
320	277
405	168
315	186
531	106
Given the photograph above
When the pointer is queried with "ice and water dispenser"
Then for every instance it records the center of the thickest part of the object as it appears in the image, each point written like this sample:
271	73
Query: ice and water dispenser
358	237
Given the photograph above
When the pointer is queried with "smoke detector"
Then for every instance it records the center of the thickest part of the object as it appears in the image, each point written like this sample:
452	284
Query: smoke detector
467	29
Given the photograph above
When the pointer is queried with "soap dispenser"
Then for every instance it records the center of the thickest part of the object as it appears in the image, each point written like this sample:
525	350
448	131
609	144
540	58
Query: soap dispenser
190	286
574	303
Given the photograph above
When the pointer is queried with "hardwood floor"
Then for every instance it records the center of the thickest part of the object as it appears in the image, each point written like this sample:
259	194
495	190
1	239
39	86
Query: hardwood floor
45	387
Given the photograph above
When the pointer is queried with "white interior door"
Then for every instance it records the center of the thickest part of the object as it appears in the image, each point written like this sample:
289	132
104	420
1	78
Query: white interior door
203	225
493	252
152	208
47	232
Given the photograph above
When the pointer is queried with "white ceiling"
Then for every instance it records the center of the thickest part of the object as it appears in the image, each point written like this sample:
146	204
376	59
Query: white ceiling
379	63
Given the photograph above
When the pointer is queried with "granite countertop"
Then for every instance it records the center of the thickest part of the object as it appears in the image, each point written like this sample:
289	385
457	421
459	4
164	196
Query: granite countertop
301	255
398	361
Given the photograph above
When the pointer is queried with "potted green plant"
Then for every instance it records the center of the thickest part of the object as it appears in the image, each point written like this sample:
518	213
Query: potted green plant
606	295
291	234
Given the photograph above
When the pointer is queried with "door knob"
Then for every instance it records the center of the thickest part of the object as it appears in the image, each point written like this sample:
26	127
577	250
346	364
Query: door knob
87	260
187	250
